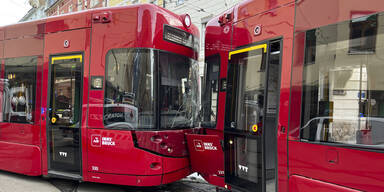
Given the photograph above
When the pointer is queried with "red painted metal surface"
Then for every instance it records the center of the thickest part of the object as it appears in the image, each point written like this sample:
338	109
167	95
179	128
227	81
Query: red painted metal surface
354	168
111	152
310	13
250	8
22	30
114	154
123	162
1	42
204	149
69	22
36	47
168	143
132	180
176	175
1	33
20	158
302	184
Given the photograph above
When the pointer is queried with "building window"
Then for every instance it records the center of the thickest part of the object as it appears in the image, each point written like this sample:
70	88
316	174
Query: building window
70	8
79	5
94	3
179	2
363	32
19	87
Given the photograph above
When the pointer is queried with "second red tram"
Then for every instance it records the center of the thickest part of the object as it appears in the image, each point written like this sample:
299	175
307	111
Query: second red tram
293	97
103	95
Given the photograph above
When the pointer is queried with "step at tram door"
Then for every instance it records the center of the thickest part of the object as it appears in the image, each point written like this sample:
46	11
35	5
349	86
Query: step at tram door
251	117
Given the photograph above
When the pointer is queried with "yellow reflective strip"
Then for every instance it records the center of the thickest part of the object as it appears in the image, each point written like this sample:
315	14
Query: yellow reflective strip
67	57
248	49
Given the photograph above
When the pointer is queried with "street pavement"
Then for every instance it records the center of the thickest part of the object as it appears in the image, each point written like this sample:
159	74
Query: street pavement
11	182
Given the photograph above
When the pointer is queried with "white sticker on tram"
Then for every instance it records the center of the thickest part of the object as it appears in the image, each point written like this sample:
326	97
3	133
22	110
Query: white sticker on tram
107	141
210	146
243	168
95	168
63	154
98	141
201	146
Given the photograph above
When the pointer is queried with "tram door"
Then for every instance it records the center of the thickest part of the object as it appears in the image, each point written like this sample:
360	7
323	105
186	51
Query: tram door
64	112
251	117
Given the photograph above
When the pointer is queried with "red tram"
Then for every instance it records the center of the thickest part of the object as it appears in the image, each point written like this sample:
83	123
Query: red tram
104	95
294	95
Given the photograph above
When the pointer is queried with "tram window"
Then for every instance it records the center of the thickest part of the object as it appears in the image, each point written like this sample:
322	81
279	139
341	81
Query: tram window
178	91
129	91
19	87
343	93
211	91
246	84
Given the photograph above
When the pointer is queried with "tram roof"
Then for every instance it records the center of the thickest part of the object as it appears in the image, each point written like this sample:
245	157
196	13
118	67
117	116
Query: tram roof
83	19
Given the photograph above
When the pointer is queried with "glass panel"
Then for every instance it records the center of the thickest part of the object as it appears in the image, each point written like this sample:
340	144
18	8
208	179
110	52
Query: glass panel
130	94
271	118
19	89
210	93
343	94
178	91
66	84
247	80
244	164
65	113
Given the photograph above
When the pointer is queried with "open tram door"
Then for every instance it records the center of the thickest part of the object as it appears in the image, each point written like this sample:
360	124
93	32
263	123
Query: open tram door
250	139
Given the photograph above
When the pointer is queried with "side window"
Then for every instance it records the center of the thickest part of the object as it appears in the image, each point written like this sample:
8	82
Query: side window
19	89
211	91
129	90
343	95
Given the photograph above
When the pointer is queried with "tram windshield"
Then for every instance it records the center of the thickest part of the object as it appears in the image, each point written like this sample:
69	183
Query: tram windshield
150	89
178	91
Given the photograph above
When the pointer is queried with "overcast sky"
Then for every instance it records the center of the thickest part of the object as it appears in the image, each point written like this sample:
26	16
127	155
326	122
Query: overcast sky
11	11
